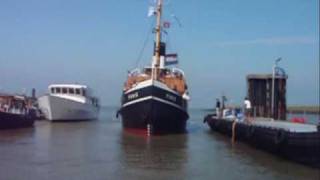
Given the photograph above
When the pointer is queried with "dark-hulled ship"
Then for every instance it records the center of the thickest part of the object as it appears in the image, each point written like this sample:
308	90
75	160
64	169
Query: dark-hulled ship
16	112
155	98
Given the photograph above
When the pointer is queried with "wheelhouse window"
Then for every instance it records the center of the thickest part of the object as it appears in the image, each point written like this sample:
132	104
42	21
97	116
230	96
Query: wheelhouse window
83	92
58	90
64	90
71	91
52	90
78	92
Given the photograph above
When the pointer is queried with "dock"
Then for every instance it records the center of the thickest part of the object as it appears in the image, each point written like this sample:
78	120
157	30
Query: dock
294	141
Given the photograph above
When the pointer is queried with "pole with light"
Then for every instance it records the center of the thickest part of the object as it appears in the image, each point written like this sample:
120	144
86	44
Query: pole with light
273	83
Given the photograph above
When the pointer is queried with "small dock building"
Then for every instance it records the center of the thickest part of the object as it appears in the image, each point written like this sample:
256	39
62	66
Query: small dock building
267	94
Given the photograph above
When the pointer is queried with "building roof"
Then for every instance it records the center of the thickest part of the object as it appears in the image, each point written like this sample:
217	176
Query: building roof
265	76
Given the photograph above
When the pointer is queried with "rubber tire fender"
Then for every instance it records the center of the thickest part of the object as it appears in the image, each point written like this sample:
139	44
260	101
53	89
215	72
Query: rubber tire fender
280	137
250	132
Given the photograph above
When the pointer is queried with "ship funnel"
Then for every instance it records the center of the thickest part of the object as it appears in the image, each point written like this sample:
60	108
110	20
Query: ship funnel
162	49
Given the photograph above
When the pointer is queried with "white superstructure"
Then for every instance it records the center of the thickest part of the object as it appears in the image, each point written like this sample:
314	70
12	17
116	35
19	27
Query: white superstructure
69	102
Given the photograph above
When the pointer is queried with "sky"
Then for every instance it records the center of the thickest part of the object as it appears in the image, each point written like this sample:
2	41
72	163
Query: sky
96	42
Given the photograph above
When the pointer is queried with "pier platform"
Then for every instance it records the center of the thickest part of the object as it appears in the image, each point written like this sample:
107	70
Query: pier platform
295	141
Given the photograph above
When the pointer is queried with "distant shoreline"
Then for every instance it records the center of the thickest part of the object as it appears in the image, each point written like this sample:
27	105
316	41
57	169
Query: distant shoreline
304	109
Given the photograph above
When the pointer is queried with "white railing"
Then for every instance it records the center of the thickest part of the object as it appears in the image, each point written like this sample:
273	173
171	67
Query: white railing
177	70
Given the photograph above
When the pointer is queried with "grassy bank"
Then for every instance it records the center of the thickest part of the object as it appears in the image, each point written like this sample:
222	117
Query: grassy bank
304	109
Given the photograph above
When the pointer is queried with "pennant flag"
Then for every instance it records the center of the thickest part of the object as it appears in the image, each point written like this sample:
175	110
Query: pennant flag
151	11
166	24
171	59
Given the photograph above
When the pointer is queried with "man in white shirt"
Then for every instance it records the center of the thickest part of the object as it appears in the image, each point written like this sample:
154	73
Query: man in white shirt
247	108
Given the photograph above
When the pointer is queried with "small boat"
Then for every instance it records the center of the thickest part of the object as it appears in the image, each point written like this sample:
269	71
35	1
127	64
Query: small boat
155	99
69	102
15	112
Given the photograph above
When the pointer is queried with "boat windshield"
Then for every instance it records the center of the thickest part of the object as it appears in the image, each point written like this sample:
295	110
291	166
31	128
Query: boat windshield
70	91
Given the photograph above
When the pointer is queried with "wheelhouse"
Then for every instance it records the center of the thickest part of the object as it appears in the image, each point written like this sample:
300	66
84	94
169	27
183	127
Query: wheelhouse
74	90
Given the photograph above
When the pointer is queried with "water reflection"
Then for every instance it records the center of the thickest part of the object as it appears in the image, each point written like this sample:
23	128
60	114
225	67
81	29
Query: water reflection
17	136
158	153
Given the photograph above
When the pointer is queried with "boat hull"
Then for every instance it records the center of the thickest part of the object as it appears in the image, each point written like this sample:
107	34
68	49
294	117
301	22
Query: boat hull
153	112
62	109
9	120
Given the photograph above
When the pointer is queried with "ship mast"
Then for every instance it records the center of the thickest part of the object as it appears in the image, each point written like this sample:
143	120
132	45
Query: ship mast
158	38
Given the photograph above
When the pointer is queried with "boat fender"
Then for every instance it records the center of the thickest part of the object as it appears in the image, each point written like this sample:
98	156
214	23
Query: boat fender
280	137
250	132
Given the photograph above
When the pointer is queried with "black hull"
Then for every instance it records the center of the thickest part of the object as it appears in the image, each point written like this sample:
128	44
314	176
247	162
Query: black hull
10	121
152	109
162	118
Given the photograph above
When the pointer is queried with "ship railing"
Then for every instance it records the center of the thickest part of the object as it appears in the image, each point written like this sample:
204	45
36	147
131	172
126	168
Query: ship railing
177	71
22	111
134	72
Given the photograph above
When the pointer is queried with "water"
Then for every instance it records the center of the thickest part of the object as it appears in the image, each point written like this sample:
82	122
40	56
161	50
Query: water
102	150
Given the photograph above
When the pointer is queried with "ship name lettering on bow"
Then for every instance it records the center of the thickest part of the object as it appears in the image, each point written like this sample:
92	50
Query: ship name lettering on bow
133	95
170	97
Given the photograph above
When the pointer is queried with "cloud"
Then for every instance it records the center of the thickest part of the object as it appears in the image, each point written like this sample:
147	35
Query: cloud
270	41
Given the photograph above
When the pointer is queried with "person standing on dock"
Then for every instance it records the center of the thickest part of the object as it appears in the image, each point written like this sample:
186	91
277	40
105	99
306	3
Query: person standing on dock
218	105
247	109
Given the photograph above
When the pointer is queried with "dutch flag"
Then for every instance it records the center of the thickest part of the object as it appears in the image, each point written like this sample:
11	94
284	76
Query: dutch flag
171	59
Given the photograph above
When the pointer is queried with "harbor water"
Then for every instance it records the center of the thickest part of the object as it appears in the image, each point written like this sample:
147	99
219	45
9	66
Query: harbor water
101	149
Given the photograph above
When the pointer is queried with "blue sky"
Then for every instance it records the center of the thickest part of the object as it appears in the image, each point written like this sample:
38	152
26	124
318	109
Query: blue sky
96	42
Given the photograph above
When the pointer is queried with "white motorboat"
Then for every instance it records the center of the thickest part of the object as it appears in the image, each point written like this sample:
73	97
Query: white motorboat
67	102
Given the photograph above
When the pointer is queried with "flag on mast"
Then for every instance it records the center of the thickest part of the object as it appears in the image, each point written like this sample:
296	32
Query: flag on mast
166	24
171	59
